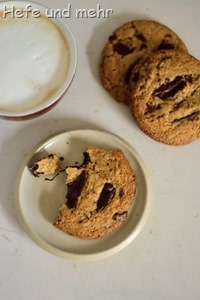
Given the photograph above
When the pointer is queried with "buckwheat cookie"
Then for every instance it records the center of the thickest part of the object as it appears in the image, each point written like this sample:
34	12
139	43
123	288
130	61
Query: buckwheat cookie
165	101
99	194
126	46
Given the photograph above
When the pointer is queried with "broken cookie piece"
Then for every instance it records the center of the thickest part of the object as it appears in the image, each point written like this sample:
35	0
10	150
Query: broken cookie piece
99	194
47	165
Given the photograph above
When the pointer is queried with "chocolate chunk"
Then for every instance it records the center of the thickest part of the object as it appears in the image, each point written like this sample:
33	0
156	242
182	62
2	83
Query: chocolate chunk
189	78
122	49
51	179
112	37
86	158
190	117
143	46
170	88
165	45
161	116
151	108
121	192
120	216
107	194
177	105
140	37
34	170
74	189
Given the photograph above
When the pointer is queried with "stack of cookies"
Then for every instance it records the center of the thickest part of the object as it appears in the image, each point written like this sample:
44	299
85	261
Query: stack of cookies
147	66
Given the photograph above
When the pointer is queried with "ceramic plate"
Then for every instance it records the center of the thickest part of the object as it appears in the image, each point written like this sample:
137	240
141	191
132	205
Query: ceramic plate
37	200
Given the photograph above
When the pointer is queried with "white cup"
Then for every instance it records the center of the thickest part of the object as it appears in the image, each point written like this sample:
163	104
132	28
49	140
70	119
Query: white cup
38	58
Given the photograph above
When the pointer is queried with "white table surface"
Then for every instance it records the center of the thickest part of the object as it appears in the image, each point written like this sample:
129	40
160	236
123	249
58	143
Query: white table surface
164	260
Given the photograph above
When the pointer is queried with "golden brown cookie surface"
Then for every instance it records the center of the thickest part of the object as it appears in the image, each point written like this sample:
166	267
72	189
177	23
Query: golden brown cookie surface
99	195
165	101
126	46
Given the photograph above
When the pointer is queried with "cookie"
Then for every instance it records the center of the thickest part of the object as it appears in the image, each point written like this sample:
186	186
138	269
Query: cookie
126	46
165	101
99	194
47	165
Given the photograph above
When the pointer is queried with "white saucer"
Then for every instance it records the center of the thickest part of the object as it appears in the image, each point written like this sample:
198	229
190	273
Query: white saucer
37	200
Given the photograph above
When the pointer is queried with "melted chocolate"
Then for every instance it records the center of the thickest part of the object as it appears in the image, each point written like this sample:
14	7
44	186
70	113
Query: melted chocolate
178	105
74	189
122	49
143	46
165	45
112	37
107	194
190	117
169	89
189	78
51	179
150	108
140	37
34	170
86	160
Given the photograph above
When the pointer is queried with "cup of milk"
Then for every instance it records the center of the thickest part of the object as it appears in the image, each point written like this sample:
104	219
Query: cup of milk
38	59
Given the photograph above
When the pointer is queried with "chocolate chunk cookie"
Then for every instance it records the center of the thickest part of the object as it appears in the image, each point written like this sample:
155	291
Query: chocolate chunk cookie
165	101
99	194
126	46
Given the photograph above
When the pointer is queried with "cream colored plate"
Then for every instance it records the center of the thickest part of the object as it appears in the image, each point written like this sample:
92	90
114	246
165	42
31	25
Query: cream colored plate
37	200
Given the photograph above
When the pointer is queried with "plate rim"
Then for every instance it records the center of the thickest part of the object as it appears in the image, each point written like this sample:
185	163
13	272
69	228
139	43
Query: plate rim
84	256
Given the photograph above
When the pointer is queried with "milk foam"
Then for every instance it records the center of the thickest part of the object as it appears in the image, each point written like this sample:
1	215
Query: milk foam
34	61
